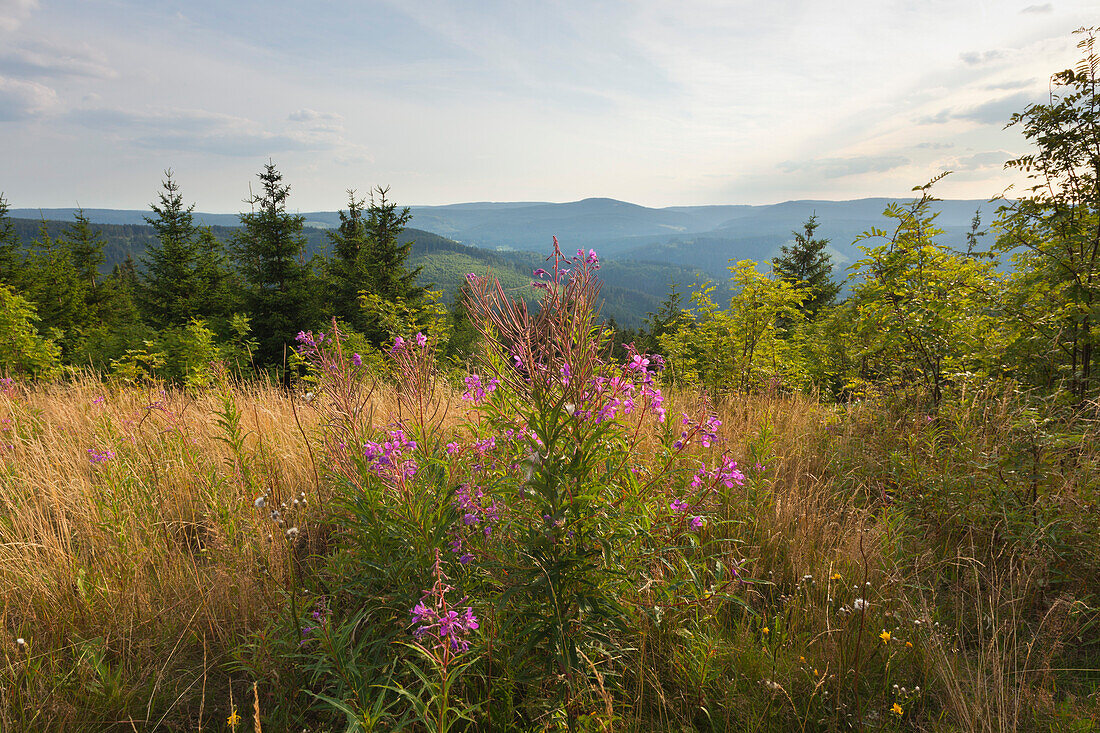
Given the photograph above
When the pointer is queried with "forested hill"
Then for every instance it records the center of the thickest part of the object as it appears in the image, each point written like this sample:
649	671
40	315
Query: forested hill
699	238
631	288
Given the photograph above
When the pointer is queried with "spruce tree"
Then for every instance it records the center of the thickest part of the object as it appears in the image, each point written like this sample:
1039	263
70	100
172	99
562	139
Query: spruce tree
390	279
668	319
349	271
278	285
168	289
10	258
58	291
370	260
217	286
85	246
807	263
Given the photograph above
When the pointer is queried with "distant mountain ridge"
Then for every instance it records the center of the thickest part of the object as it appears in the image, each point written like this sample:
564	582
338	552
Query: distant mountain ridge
630	288
645	247
700	236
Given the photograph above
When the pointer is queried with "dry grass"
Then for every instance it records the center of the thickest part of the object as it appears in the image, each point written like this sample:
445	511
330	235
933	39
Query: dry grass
132	579
157	551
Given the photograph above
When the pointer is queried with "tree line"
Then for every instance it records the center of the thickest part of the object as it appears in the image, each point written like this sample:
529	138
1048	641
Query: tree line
194	297
920	315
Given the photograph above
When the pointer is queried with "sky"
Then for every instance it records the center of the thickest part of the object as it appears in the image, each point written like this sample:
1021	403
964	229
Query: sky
656	102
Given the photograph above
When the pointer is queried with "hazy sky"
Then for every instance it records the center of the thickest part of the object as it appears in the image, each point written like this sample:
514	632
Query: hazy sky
657	102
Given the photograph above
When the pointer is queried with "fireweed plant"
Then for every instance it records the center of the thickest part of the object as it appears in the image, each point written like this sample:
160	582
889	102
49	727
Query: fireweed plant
569	505
566	505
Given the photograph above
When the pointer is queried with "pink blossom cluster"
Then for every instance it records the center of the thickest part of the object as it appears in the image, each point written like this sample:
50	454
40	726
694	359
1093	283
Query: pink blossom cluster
476	390
573	265
438	626
390	459
308	342
97	455
444	627
727	474
471	502
621	394
679	506
706	430
399	344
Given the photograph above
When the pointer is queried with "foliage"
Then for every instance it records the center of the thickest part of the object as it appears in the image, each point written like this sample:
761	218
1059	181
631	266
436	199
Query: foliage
923	313
279	289
739	348
26	351
10	257
807	263
1054	231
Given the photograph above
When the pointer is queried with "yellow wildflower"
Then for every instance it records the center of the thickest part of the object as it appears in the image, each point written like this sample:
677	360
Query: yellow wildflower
896	709
765	631
885	636
908	645
234	719
802	659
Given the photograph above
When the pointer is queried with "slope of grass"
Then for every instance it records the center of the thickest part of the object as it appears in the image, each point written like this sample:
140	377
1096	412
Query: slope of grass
149	591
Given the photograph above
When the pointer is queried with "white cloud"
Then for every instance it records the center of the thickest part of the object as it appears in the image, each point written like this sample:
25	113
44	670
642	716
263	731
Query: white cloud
46	59
975	58
1039	9
206	132
24	99
14	12
979	161
996	111
311	115
850	166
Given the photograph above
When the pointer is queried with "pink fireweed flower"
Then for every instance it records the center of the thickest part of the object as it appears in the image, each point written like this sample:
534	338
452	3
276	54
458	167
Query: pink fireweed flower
565	373
476	391
421	339
697	522
96	455
678	505
398	344
390	459
438	626
357	360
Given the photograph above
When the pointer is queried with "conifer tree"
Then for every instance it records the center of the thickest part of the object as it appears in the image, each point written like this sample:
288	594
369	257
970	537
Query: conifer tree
278	285
9	246
807	263
168	289
390	279
371	285
58	292
349	269
85	246
668	319
217	286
